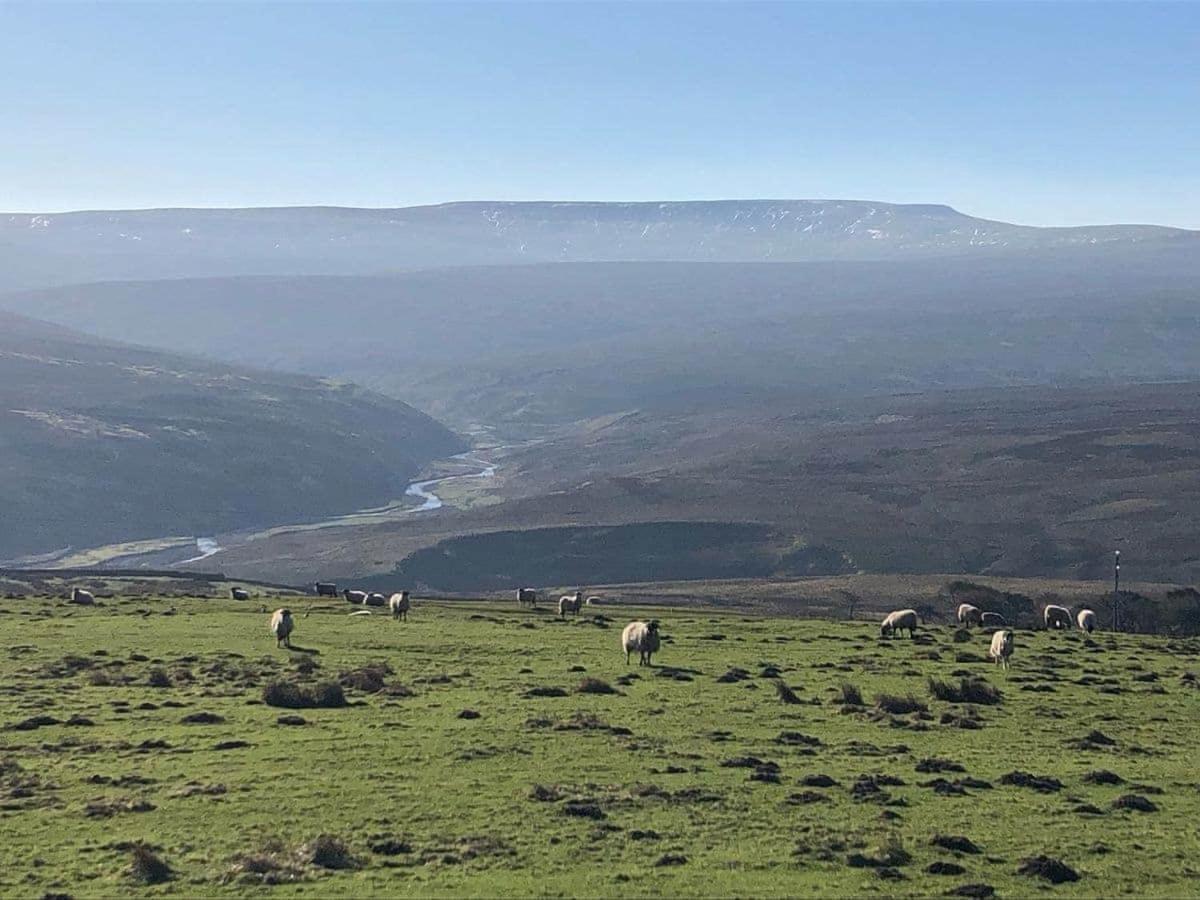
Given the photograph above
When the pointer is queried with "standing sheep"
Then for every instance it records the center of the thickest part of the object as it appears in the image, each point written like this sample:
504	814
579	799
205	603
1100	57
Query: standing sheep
357	597
399	605
82	597
593	601
992	620
1086	620
969	615
900	620
1002	648
1057	616
376	599
282	626
570	603
642	637
526	595
326	589
240	594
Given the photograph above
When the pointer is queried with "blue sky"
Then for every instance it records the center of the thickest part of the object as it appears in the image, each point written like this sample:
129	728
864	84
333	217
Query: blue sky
1040	113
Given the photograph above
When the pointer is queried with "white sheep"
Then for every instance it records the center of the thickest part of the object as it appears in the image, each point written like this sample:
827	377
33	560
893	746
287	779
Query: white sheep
82	597
641	637
1086	620
282	626
992	620
399	605
569	603
1002	648
376	599
900	620
593	601
1057	616
357	597
240	594
969	615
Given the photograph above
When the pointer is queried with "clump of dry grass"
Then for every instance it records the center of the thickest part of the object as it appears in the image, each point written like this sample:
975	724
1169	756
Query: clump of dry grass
147	867
289	695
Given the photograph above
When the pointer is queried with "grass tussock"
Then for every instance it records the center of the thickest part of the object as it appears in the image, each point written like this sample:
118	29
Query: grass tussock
289	695
786	695
898	705
968	690
849	694
595	686
147	867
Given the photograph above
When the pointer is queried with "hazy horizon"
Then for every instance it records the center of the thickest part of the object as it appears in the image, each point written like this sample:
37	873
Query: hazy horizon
1043	114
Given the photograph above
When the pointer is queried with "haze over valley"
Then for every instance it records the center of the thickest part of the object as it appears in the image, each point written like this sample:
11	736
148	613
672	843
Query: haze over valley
814	386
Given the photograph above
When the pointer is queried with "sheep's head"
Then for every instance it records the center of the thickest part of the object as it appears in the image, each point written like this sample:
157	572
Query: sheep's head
885	630
653	626
286	613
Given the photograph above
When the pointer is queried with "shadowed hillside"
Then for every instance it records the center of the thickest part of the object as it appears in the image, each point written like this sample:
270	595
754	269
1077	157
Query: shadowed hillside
101	442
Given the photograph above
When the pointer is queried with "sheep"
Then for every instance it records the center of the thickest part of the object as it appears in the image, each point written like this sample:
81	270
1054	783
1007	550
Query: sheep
569	603
326	589
1002	647
82	597
526	595
992	620
399	605
375	599
900	620
593	601
969	615
281	626
642	637
1086	620
358	597
240	594
1057	616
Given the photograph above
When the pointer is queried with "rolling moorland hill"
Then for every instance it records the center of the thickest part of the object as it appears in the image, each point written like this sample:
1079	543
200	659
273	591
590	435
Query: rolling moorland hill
103	442
1020	481
515	346
46	249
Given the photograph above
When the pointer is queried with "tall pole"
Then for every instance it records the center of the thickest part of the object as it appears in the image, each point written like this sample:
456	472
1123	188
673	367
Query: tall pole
1116	589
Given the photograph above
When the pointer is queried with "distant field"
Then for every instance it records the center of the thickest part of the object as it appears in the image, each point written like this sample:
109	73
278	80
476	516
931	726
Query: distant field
143	721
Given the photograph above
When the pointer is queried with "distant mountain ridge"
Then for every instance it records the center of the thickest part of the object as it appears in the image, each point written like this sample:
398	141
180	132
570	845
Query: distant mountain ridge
39	250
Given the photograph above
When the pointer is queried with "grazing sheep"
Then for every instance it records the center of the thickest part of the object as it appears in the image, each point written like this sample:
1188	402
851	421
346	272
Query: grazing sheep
326	589
642	637
1057	616
593	601
992	620
1002	648
376	599
82	597
569	603
526	595
358	597
281	627
969	615
240	594
399	605
900	620
1086	620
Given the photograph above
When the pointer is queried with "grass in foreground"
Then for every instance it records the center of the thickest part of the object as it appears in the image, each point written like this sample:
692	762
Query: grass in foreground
484	750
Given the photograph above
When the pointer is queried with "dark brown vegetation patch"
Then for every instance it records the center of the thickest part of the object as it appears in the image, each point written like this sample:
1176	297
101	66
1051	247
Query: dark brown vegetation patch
1042	783
968	690
1047	868
147	867
290	695
956	842
1135	802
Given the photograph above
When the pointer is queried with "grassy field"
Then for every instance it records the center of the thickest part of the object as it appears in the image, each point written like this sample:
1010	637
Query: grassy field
469	762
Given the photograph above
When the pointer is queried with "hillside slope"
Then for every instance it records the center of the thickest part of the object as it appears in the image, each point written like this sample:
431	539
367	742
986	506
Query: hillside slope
45	249
102	442
550	343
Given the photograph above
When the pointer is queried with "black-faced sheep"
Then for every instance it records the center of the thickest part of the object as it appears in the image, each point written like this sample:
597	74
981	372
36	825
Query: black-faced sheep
357	597
642	638
399	605
570	603
1057	616
82	597
992	620
969	615
240	594
900	620
1086	620
1002	648
526	595
282	626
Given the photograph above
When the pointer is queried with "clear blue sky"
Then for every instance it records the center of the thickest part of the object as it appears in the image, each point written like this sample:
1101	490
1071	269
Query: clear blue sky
1038	113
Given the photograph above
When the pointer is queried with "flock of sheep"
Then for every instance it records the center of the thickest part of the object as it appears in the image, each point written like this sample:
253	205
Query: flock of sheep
637	637
1055	617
